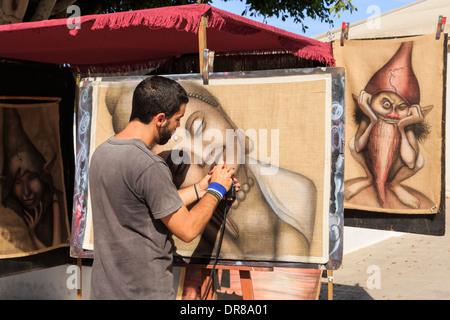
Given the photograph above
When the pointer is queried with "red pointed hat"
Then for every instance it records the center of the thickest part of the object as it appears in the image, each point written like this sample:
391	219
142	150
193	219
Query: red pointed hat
397	76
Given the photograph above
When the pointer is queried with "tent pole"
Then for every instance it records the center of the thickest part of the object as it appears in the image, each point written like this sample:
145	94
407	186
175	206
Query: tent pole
79	289
202	40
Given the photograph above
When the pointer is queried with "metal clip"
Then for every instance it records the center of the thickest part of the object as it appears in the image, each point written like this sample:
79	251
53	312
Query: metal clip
344	32
440	26
208	65
205	71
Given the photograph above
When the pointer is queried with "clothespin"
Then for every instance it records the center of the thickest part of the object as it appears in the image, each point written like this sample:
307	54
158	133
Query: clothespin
208	65
440	26
211	61
344	32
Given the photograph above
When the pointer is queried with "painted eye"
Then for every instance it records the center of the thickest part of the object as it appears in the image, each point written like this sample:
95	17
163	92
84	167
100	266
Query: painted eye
196	124
387	104
197	127
32	176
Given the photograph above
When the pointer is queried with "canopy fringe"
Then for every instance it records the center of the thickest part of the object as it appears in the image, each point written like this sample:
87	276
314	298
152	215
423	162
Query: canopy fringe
134	68
187	18
166	17
309	51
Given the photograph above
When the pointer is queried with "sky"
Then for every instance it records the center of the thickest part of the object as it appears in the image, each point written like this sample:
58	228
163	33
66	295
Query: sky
366	9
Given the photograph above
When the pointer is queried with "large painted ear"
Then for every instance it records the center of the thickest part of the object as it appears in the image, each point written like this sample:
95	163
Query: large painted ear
49	164
122	109
111	97
290	195
245	141
426	110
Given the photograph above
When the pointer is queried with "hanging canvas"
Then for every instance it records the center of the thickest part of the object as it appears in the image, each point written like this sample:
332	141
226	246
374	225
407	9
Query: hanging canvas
281	130
33	213
394	133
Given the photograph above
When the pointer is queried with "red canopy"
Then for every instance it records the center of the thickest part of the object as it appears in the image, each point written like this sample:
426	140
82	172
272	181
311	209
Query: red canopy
132	38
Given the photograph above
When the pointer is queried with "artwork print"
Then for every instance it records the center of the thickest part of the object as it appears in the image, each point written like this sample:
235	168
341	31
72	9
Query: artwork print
394	142
275	135
33	213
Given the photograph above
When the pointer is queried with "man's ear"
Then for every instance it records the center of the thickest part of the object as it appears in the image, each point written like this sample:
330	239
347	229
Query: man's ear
160	119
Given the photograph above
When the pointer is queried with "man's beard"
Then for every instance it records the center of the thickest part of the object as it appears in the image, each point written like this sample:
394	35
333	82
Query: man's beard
164	135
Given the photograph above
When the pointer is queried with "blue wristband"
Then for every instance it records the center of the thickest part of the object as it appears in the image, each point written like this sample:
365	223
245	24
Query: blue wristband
218	188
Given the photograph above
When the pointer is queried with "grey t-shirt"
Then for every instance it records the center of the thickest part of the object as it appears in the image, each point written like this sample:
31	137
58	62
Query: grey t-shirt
131	189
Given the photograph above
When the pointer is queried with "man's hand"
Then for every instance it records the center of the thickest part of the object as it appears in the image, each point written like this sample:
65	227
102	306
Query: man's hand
187	225
223	175
202	185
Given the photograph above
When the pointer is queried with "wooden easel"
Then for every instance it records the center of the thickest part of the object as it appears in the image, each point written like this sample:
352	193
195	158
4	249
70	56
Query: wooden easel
330	284
53	99
244	274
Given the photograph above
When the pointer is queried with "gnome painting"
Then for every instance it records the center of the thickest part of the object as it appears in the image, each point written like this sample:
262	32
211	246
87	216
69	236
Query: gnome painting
33	217
391	124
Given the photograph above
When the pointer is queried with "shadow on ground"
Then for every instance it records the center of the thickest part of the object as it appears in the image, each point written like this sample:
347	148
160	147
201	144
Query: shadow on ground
343	292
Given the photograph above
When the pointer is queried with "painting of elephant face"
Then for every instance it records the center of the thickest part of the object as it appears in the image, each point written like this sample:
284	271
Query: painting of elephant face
276	132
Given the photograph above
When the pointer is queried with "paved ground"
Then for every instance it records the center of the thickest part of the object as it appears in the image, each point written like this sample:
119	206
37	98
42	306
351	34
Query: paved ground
408	267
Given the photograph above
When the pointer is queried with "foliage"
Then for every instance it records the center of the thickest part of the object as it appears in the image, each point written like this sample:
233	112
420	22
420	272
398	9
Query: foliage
299	10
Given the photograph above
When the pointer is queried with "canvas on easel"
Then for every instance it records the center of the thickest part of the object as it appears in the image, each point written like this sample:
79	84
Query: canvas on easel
282	131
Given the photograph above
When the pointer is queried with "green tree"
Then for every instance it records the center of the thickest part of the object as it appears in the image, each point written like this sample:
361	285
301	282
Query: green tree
298	10
15	11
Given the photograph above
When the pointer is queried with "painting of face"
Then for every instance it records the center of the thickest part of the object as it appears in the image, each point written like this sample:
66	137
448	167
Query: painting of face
395	125
268	131
33	211
390	105
28	189
200	117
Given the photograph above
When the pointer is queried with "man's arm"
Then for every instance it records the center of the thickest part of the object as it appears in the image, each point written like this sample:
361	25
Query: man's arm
191	194
188	224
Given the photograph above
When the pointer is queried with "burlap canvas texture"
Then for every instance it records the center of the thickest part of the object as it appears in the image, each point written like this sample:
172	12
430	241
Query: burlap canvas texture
362	59
281	217
30	158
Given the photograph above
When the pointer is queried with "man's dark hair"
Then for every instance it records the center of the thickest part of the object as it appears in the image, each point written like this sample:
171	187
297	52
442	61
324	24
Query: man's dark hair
157	95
